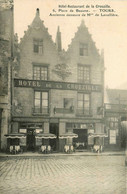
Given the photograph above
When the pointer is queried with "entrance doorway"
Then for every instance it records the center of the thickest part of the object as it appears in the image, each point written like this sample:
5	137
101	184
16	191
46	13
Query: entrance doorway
82	141
30	139
54	129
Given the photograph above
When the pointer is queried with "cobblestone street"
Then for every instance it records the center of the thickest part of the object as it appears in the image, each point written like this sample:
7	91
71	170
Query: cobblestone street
63	174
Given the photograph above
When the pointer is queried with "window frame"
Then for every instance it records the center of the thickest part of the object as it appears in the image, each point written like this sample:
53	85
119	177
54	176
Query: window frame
83	109
85	49
83	80
38	43
40	66
40	104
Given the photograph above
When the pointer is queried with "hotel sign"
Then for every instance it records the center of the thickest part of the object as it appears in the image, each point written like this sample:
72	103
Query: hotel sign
56	85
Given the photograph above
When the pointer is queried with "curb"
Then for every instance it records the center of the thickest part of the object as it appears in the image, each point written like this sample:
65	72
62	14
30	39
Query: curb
59	155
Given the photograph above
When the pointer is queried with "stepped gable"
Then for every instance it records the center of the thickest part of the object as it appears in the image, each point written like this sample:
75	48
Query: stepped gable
37	24
83	34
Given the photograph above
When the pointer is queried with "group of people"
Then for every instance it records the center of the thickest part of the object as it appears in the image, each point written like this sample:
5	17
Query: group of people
15	149
45	149
68	149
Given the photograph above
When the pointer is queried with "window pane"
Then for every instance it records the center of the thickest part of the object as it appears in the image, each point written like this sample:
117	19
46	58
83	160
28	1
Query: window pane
40	73
86	104
38	46
37	95
36	73
37	103
35	48
41	102
44	95
83	73
44	73
80	104
40	50
83	50
80	96
86	96
44	103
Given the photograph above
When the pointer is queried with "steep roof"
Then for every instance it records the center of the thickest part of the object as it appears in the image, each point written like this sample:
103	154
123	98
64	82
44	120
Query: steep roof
83	32
37	24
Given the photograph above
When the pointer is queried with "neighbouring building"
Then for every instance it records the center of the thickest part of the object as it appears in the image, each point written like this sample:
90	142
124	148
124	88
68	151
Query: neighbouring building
115	118
6	54
57	95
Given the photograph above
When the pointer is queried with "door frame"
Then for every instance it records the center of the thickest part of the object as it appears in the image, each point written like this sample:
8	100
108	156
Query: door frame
32	147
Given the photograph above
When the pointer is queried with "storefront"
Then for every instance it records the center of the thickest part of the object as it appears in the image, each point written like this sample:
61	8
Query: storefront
56	133
82	130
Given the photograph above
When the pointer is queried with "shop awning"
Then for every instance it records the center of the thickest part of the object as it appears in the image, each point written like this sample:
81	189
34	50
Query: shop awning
68	135
45	136
14	135
97	135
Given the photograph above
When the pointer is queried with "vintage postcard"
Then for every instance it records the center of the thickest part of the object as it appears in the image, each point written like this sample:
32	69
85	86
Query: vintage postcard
63	96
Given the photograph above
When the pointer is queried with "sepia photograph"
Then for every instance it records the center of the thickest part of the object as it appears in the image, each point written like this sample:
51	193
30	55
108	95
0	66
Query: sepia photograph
63	96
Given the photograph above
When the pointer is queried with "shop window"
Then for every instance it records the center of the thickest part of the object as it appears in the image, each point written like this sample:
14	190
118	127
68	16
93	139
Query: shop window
41	102
68	103
83	104
38	46
83	49
83	74
40	72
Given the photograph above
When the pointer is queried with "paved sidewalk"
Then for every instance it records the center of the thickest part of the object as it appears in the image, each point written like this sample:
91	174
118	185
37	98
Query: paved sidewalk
118	153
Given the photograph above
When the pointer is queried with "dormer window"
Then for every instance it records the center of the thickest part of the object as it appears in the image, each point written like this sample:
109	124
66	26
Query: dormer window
38	46
83	49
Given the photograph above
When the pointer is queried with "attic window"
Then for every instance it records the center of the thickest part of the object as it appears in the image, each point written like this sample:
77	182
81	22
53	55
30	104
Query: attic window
83	49
38	46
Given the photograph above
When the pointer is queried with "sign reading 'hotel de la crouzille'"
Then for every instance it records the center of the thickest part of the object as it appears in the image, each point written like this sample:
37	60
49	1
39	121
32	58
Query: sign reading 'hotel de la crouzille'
56	85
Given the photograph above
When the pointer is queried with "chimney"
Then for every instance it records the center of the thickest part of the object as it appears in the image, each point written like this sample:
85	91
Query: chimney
58	39
37	12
